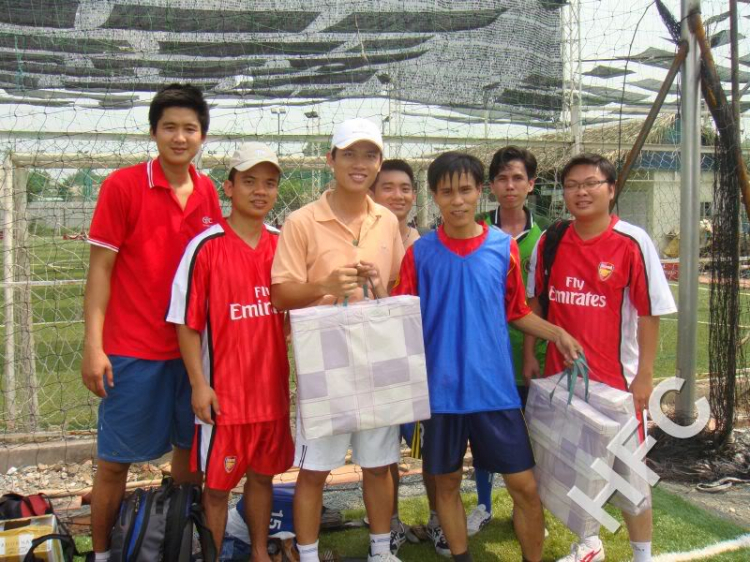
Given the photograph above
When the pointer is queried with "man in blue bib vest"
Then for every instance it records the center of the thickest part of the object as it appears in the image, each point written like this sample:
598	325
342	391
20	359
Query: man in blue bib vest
468	277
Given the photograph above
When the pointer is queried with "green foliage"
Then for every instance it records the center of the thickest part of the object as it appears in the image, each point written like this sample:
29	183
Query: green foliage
38	184
83	184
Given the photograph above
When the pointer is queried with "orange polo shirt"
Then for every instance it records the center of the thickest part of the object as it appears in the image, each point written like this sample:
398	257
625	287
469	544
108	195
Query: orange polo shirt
314	242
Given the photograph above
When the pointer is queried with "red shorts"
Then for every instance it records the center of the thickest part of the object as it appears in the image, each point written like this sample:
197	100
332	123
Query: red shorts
225	453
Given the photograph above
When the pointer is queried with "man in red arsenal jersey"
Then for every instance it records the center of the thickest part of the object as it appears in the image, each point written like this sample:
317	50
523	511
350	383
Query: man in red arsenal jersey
232	341
607	288
145	216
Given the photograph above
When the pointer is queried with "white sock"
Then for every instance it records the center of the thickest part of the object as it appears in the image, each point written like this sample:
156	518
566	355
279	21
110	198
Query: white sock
308	552
593	541
434	521
101	556
641	551
380	544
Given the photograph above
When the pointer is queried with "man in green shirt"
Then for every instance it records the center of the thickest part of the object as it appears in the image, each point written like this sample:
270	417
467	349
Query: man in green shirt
512	175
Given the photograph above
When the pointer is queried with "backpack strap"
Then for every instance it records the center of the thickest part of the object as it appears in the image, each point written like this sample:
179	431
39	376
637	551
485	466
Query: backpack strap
208	547
68	546
552	238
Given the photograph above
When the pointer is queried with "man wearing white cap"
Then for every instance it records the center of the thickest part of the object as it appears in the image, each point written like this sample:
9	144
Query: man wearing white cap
233	345
328	251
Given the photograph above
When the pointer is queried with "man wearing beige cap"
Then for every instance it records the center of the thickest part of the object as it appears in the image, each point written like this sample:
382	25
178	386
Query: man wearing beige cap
328	250
233	345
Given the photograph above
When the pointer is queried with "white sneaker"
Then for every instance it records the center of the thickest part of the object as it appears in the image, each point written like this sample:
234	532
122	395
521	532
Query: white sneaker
583	552
477	520
387	557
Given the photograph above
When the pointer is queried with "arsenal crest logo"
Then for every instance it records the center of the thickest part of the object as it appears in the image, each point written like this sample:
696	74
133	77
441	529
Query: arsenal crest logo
230	463
606	270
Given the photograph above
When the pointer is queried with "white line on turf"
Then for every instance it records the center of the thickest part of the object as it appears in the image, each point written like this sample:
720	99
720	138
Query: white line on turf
740	542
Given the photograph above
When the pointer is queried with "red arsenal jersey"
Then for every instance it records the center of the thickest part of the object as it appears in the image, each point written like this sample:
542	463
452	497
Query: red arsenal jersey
223	290
597	290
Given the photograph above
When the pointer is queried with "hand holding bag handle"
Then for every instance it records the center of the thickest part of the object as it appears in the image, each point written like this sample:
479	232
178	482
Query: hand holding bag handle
579	367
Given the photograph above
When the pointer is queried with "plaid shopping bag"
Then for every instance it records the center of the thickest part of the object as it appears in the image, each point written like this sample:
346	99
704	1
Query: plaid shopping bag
567	436
360	366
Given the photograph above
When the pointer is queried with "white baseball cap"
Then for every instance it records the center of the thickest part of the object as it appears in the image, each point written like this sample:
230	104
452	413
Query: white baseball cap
251	154
350	131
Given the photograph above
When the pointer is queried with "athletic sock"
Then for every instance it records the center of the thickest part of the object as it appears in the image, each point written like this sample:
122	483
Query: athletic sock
308	552
484	488
465	557
380	544
434	520
101	556
641	551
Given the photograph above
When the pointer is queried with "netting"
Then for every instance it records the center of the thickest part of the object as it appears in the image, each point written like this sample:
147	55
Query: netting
76	77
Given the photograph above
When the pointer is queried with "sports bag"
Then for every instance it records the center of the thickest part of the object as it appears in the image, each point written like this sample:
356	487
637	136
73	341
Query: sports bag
157	524
16	506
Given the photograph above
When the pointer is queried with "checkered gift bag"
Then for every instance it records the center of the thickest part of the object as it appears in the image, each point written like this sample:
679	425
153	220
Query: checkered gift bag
360	366
567	436
618	405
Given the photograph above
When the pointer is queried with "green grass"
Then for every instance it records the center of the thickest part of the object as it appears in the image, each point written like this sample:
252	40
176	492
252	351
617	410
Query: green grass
58	332
678	526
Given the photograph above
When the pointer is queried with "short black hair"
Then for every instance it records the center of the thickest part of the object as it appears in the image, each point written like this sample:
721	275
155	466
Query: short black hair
394	165
452	163
232	174
508	154
590	159
179	95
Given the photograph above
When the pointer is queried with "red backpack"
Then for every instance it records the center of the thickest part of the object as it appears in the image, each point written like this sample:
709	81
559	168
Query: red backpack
16	506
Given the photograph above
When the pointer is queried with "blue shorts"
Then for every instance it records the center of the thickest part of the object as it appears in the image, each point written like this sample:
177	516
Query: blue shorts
146	412
499	442
407	432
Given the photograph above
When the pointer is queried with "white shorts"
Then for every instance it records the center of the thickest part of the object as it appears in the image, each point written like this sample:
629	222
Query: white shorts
371	448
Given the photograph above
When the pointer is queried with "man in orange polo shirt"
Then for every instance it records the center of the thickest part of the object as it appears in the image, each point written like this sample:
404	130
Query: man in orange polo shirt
327	251
144	218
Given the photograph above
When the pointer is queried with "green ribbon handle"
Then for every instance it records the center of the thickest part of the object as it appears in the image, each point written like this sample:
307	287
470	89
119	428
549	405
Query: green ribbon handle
579	367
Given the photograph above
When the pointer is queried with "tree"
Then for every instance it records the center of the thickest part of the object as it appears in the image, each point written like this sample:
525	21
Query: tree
37	183
84	183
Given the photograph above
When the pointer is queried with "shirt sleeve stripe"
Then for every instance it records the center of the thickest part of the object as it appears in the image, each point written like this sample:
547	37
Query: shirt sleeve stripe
95	242
180	296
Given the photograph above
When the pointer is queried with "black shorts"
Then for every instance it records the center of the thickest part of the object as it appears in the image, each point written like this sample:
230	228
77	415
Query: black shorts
499	442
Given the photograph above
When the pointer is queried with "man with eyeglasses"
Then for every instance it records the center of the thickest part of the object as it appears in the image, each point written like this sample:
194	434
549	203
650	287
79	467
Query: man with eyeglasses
607	289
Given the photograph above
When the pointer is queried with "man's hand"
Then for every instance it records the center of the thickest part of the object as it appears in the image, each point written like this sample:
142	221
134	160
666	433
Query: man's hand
342	281
368	272
568	346
94	367
641	389
530	369
203	400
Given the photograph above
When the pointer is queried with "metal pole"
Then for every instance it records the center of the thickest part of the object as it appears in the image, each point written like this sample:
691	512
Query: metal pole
690	157
735	66
8	293
423	200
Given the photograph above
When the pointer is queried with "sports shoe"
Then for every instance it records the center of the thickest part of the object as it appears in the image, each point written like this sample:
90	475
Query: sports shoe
438	539
477	520
382	558
398	535
583	552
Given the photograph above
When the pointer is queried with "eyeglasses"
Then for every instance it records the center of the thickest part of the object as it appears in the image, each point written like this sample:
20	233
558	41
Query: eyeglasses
588	185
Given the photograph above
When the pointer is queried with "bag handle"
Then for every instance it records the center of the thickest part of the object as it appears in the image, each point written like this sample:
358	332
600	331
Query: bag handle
68	545
579	367
364	290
